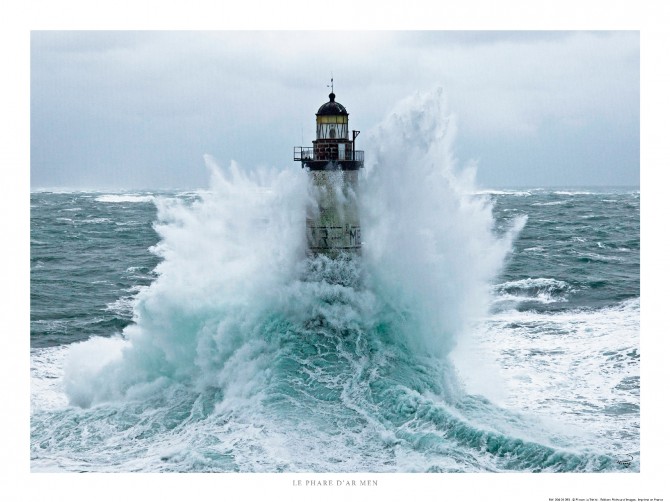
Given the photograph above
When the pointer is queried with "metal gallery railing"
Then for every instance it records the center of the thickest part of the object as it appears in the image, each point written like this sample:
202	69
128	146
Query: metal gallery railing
307	153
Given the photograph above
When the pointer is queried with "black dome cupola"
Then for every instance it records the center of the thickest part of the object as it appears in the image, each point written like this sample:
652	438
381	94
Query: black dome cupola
332	107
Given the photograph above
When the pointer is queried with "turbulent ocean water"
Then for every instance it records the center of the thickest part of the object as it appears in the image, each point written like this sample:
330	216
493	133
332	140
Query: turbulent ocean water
480	330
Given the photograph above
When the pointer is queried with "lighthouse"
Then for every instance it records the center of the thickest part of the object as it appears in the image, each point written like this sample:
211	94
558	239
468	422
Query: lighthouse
333	225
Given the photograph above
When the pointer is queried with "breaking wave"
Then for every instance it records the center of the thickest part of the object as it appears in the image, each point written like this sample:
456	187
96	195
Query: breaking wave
242	347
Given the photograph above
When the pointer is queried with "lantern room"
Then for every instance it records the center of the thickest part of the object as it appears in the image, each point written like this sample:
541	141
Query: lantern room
332	120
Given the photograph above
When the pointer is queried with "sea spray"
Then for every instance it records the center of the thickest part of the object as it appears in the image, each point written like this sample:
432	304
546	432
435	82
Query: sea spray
234	258
247	355
225	259
429	242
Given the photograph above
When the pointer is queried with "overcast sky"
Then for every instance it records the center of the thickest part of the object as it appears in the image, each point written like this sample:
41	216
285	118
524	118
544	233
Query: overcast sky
140	109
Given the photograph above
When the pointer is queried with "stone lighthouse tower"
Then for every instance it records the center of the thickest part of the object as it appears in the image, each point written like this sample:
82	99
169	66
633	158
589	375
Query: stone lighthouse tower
333	226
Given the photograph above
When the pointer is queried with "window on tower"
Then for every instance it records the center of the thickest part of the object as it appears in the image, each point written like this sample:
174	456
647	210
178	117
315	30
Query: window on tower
331	127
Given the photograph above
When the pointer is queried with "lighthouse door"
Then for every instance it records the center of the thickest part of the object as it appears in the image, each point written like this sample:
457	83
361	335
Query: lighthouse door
341	149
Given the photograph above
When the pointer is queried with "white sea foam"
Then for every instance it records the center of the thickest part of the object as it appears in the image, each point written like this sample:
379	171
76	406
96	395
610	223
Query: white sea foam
123	306
577	192
428	238
517	193
46	378
543	290
225	258
600	258
192	194
124	198
234	255
577	360
96	220
535	283
230	365
553	203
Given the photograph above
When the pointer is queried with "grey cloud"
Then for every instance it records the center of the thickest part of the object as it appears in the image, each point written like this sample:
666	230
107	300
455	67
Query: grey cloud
134	109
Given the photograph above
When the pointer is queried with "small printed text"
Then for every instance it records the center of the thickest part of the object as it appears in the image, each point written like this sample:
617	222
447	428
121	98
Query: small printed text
334	482
603	499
